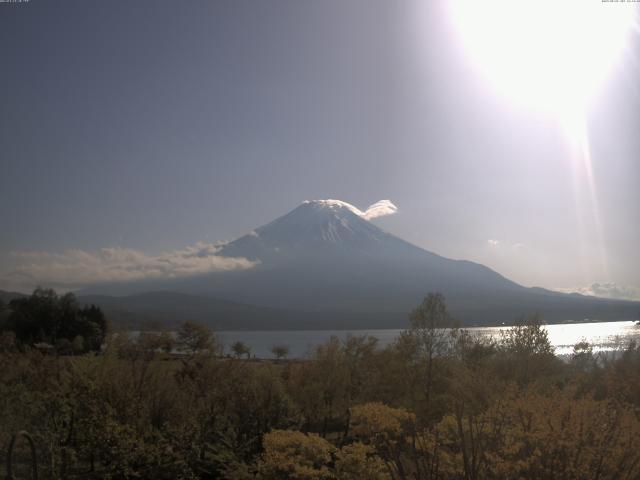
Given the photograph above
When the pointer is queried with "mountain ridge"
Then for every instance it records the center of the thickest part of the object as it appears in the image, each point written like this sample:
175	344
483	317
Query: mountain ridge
324	265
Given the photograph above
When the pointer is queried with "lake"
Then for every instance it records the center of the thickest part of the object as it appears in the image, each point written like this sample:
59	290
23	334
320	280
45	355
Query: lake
604	336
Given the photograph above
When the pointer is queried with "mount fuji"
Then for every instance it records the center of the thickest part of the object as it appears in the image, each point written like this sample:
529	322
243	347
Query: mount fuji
324	265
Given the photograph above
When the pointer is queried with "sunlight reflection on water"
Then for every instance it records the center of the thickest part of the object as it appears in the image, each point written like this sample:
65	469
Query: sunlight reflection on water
603	336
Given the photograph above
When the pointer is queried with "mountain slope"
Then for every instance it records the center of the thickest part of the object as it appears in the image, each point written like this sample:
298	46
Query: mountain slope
6	297
325	247
323	265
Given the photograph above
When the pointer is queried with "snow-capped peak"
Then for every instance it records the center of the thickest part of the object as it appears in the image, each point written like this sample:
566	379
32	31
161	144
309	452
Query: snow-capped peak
312	227
378	209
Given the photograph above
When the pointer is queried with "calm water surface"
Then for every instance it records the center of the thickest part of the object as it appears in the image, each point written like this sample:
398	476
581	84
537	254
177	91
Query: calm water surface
604	336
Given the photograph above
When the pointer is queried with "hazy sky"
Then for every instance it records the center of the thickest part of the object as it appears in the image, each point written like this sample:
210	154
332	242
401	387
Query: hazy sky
150	126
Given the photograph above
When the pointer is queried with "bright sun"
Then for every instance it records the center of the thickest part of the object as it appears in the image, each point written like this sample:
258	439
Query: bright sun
547	54
551	56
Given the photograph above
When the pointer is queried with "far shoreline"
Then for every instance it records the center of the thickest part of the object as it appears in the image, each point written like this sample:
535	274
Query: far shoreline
364	329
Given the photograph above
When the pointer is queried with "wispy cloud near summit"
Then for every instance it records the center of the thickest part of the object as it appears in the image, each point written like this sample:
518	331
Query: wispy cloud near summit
381	208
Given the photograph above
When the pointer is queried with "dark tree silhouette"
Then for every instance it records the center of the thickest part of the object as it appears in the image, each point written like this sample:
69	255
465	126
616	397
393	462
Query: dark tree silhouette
280	351
193	338
48	317
239	348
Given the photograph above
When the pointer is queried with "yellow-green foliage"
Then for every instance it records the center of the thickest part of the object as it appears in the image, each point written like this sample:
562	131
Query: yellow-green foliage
486	410
373	421
295	455
359	461
529	435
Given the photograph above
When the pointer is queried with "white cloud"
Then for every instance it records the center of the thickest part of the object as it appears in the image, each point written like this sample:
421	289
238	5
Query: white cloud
606	290
74	268
379	209
492	242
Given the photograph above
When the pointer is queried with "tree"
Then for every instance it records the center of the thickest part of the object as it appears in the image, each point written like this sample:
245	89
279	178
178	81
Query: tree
239	348
582	358
376	421
527	337
431	328
34	318
152	342
530	435
93	327
386	429
280	351
64	347
294	455
321	386
7	342
47	317
527	353
358	461
78	344
194	337
4	314
166	342
289	454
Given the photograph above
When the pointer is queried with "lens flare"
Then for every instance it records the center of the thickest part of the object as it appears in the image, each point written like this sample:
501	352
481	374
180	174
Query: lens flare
586	206
551	56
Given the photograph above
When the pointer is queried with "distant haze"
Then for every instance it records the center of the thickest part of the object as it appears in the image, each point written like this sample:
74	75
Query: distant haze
137	136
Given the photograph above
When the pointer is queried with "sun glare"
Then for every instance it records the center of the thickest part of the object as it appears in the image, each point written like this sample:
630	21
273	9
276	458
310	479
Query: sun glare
551	56
544	54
